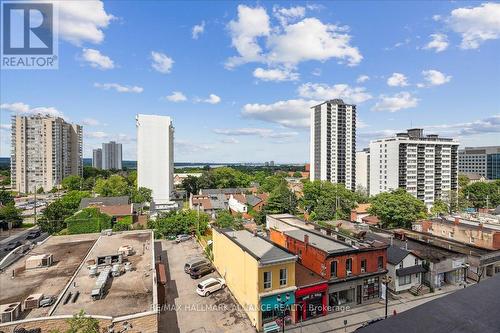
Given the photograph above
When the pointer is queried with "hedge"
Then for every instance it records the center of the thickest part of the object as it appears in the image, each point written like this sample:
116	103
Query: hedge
88	220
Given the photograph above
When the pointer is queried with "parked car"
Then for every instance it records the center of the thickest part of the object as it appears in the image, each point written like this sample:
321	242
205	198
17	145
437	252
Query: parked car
47	301
34	234
195	262
11	246
210	285
182	238
201	270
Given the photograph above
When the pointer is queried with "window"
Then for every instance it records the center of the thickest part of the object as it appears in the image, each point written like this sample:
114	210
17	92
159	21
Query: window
380	262
283	277
333	269
401	265
348	266
363	265
300	254
370	288
416	261
403	280
267	280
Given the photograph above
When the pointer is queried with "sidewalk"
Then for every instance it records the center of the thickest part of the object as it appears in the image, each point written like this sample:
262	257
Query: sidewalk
357	316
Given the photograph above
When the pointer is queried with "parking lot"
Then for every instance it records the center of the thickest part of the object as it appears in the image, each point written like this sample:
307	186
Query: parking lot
186	311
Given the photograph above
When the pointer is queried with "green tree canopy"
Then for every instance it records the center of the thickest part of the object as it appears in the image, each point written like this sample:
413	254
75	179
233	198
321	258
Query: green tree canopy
439	207
226	220
482	194
9	213
140	195
397	209
281	200
190	184
54	216
182	222
327	200
113	186
6	197
72	183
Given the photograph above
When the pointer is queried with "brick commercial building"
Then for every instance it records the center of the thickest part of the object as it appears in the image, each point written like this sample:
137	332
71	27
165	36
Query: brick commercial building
353	272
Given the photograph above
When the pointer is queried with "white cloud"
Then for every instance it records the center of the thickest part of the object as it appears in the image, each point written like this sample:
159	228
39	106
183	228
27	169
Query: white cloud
362	78
436	17
82	21
322	91
96	135
23	108
262	132
251	24
294	113
212	99
91	122
439	42
318	41
198	30
97	60
476	24
176	97
287	15
397	80
161	62
400	101
481	126
316	72
119	88
275	74
434	78
185	146
230	141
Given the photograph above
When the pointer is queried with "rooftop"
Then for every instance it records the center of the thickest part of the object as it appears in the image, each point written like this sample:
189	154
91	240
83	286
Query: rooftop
104	201
117	210
68	253
129	293
261	249
324	243
466	310
396	254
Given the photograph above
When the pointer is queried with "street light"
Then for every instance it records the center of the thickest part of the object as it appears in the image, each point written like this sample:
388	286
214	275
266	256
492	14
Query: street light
282	308
386	280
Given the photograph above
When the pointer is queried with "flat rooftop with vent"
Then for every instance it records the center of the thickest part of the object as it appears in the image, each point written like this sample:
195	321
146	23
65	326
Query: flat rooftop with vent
69	268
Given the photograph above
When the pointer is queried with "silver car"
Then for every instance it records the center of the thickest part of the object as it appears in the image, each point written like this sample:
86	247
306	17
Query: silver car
195	263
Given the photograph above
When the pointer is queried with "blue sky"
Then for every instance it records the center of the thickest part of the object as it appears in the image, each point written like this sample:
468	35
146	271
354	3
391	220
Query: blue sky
238	77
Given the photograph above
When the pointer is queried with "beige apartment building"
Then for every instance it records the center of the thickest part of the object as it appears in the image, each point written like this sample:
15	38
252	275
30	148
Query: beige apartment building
45	150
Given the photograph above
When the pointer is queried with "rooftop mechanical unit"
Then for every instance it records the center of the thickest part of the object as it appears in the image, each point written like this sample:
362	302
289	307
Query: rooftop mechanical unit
32	301
100	284
10	312
39	261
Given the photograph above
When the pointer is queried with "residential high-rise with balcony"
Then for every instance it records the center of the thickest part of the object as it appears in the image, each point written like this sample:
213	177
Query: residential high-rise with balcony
155	158
481	160
97	158
425	166
363	170
112	156
333	143
44	150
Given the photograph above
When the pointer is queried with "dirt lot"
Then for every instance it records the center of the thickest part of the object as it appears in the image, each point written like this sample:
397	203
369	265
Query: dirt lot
186	311
68	252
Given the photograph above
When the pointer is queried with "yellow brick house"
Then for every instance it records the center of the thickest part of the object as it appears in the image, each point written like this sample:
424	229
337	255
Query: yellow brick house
257	272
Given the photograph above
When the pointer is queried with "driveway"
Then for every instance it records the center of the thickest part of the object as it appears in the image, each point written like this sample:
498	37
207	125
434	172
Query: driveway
185	310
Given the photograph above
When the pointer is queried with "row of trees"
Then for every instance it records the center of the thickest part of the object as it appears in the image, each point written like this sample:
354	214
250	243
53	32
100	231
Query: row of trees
8	211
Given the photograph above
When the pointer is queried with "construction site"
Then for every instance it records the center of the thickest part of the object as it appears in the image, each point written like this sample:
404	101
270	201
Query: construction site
110	276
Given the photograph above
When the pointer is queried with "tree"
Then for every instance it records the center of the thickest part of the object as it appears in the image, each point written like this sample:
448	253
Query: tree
40	190
463	180
397	209
190	184
271	182
439	207
482	194
141	195
114	186
54	216
182	222
6	197
327	200
282	200
80	324
9	213
297	174
226	220
72	183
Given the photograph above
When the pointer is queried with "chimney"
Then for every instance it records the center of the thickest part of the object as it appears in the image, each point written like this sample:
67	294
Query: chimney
406	245
457	220
306	239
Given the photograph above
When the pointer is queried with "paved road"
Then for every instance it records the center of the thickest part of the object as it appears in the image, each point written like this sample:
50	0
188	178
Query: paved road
186	311
21	237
